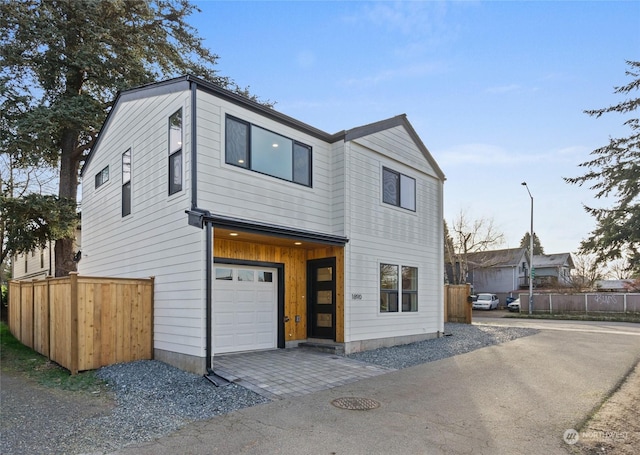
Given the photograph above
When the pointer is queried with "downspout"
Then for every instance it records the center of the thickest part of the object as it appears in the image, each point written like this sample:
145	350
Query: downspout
209	265
208	232
207	224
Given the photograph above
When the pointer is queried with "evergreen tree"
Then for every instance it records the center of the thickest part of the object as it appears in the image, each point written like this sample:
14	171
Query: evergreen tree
67	59
525	242
615	171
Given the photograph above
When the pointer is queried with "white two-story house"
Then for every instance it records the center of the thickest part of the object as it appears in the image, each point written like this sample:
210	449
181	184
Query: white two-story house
261	231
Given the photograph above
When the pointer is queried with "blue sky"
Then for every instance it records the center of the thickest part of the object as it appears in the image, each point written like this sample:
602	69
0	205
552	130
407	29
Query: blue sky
496	90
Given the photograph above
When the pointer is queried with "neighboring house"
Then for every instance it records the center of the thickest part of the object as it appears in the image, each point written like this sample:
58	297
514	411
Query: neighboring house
552	270
504	271
616	285
40	262
497	271
261	231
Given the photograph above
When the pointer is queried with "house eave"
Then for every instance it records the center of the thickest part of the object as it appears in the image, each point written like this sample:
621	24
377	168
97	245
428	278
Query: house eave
255	227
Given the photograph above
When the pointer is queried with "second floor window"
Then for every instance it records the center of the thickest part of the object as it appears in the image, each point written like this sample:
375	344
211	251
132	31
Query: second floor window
251	147
126	183
102	177
175	152
398	189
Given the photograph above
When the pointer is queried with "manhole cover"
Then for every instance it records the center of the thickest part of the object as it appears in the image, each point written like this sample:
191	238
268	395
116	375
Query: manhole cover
355	403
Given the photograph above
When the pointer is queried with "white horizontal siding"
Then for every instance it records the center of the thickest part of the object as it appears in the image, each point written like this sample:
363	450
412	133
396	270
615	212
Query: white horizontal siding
233	191
338	193
155	239
382	233
396	143
31	265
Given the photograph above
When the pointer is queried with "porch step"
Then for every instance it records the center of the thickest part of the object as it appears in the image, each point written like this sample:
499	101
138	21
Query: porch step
323	346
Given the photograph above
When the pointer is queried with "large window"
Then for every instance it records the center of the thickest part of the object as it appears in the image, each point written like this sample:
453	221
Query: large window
102	177
398	284
175	152
251	147
126	183
398	189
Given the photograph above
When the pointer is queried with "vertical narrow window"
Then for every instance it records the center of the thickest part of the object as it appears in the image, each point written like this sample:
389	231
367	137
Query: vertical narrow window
390	193
237	143
175	152
388	288
407	193
42	258
126	183
409	288
301	164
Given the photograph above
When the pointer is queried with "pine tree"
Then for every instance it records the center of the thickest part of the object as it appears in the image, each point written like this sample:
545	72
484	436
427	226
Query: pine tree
525	242
615	171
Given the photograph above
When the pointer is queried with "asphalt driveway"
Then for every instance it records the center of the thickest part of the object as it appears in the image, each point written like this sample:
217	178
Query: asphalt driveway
514	398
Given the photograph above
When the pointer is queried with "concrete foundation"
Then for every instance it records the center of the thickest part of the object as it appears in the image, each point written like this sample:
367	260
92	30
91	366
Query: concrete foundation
366	345
190	363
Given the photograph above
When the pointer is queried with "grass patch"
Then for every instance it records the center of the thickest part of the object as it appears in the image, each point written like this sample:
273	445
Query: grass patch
605	317
16	357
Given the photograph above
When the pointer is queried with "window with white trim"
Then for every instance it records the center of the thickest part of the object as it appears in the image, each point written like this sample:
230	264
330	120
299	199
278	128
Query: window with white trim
398	189
175	152
260	150
398	288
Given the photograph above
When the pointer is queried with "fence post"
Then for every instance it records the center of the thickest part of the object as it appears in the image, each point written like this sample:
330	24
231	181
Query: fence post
446	306
586	305
468	306
152	327
15	307
550	304
73	276
47	302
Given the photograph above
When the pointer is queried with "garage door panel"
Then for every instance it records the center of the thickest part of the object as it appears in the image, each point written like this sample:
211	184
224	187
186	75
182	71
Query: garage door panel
225	320
245	295
246	319
245	312
264	317
224	340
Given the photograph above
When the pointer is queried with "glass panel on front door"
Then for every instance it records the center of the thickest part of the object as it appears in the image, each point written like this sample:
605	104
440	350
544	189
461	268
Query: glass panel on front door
325	274
324	297
324	320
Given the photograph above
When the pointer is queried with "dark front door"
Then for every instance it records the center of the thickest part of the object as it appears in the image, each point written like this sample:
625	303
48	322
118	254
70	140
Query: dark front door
321	282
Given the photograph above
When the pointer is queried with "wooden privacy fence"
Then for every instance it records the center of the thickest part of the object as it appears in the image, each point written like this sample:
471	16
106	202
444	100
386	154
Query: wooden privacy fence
582	303
457	307
84	323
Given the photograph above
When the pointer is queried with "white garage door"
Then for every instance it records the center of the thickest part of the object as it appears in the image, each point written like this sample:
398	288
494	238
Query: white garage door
245	308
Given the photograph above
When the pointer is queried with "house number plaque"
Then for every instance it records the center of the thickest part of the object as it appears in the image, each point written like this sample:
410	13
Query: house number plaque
356	296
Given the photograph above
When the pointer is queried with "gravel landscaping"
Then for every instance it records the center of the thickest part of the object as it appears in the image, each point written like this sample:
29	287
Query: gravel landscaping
458	339
153	399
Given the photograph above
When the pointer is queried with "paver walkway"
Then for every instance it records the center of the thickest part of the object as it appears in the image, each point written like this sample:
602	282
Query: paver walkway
286	373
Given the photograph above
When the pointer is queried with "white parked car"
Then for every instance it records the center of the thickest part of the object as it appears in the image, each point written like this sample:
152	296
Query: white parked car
514	306
486	302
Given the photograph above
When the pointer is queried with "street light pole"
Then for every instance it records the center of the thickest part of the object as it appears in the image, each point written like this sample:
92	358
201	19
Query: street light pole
530	252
